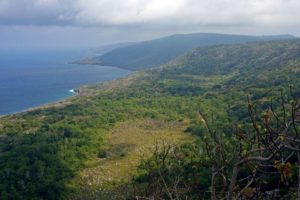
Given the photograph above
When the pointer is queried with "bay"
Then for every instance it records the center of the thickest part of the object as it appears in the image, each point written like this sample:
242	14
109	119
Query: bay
30	79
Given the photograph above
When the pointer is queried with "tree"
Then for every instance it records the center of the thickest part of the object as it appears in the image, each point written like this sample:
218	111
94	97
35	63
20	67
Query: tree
272	143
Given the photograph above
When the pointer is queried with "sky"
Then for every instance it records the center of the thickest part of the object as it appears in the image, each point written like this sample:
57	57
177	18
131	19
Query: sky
71	24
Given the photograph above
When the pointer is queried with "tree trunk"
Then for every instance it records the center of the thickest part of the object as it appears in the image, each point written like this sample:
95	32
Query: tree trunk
298	155
235	172
212	186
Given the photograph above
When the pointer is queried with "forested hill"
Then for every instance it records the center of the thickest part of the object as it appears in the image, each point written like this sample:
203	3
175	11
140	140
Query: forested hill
159	51
93	146
253	64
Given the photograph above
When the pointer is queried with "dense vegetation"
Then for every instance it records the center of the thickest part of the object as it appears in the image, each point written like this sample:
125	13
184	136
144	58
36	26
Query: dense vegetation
159	51
44	150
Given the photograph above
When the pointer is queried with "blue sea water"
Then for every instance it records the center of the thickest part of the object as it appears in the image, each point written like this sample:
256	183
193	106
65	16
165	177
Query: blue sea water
29	79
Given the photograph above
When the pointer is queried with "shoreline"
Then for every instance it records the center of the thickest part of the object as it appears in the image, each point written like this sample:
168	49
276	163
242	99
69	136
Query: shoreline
75	92
101	64
65	100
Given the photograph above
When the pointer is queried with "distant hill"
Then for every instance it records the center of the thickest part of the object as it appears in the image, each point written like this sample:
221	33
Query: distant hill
160	51
267	64
98	51
107	48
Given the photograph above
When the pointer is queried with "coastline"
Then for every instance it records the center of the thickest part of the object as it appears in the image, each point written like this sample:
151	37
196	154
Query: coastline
79	91
59	102
69	94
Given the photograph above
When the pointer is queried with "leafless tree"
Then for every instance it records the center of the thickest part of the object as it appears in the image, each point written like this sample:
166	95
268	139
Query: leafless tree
273	140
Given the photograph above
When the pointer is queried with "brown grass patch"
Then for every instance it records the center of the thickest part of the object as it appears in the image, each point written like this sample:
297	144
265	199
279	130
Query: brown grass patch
127	144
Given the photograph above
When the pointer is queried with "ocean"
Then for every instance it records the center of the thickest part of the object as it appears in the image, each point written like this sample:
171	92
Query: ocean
30	79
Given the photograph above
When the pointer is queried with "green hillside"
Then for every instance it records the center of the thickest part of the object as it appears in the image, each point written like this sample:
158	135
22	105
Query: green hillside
159	51
82	148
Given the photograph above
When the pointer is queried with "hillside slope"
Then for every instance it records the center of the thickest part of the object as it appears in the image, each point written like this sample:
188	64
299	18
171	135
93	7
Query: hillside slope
159	51
49	153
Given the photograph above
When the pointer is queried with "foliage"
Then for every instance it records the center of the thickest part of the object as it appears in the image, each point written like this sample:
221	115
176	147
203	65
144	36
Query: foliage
41	151
233	166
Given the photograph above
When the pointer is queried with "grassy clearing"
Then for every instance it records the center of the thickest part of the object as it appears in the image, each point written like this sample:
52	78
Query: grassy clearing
127	144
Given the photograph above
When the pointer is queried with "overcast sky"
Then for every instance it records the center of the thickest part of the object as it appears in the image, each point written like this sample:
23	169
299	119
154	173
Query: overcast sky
34	24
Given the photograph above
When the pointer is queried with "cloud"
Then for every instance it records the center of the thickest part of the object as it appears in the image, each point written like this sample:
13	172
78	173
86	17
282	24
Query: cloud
145	12
120	12
39	24
36	12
